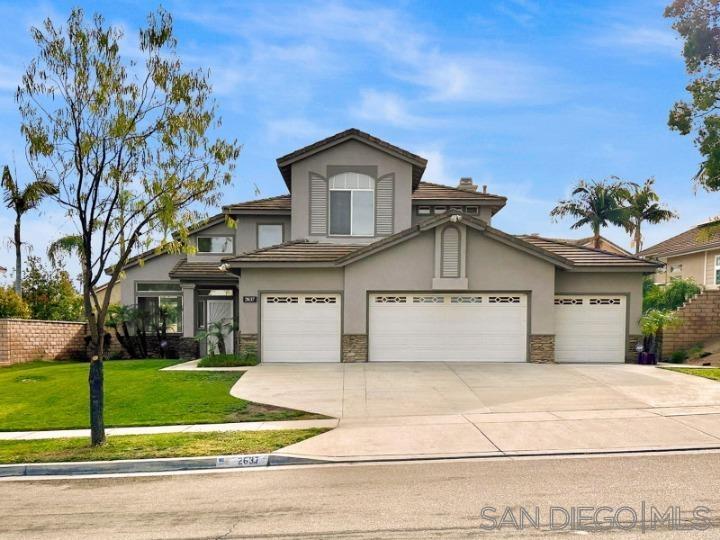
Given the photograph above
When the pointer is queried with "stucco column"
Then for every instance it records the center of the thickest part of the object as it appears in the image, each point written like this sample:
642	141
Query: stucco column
188	314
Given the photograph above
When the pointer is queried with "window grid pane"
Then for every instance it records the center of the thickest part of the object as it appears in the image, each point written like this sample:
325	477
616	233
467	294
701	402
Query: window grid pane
214	244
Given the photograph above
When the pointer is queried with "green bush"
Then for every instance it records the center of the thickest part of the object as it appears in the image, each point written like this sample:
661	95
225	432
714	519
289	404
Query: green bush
228	360
50	293
678	357
12	306
668	297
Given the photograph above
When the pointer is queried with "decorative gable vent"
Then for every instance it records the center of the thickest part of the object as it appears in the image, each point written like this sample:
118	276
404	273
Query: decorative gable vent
450	253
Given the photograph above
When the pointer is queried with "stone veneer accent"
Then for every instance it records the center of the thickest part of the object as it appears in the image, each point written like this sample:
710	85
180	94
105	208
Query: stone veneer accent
188	348
631	355
542	348
246	342
354	348
25	340
700	322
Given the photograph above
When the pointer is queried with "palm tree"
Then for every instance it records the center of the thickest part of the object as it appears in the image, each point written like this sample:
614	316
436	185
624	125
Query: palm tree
644	205
22	201
598	204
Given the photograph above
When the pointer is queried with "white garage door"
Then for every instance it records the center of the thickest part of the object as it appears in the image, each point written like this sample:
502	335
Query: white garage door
300	327
487	327
590	328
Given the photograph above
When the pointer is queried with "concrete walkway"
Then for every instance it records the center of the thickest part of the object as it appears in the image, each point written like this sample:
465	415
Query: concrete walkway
188	428
450	409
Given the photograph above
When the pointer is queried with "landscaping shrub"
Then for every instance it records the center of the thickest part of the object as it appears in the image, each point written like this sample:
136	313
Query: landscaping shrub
668	297
678	357
229	360
12	306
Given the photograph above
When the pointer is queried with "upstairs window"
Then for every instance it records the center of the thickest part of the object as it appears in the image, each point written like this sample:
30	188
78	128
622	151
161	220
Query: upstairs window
269	235
717	269
215	244
352	205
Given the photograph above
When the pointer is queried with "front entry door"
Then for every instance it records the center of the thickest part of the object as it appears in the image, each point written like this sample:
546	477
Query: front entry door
220	310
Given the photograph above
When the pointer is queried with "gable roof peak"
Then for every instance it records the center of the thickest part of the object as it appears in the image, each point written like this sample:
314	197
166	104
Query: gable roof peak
285	162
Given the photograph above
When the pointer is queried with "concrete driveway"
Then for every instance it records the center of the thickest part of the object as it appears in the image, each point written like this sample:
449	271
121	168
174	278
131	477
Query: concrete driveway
393	410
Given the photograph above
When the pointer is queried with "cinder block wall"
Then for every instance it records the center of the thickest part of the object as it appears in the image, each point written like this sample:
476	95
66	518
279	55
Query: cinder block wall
700	322
25	340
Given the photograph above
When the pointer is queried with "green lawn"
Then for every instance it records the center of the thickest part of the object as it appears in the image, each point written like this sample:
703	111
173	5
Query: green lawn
708	373
152	446
228	360
54	395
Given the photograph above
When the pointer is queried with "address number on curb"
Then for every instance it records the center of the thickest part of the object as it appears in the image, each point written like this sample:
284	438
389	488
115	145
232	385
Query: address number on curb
259	460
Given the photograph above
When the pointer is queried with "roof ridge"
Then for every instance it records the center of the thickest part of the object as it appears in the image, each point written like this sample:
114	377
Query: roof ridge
596	250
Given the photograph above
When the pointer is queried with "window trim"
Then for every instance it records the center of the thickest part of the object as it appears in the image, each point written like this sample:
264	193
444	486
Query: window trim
232	244
373	189
179	297
257	233
717	269
424	210
458	270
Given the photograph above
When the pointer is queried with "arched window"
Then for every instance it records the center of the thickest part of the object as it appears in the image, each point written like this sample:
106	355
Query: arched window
450	252
352	204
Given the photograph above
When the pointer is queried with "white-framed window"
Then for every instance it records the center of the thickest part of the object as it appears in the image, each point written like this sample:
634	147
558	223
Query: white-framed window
154	299
215	244
423	210
269	234
675	270
352	204
439	209
471	210
717	269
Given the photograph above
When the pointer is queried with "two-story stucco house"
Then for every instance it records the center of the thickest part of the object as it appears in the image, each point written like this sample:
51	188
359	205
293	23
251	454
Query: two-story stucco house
363	261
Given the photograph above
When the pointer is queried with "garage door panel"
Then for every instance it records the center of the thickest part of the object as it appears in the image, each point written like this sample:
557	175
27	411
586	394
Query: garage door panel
301	328
590	328
448	327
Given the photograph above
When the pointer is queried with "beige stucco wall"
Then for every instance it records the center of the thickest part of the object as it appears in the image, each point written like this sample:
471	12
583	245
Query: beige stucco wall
246	230
410	266
255	280
350	153
609	283
155	269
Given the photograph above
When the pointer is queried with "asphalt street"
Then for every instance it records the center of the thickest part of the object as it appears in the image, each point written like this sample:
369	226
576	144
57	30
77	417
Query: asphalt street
447	499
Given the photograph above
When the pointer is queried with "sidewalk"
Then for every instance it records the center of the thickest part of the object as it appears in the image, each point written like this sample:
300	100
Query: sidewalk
187	428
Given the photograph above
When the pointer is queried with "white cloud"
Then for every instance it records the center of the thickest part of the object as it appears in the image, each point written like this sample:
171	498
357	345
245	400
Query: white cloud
386	107
643	39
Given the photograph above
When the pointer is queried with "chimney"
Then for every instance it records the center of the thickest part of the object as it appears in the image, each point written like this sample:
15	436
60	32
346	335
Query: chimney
466	183
485	188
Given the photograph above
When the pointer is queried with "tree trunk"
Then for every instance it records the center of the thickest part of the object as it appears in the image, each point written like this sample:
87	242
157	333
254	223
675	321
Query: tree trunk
596	237
18	257
638	238
97	415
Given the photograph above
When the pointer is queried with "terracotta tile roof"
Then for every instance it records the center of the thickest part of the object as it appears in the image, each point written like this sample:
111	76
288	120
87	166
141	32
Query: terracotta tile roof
284	162
429	191
279	202
425	191
584	256
184	269
298	251
705	236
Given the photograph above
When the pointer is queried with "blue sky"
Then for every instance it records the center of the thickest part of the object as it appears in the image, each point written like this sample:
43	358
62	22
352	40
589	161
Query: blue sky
524	96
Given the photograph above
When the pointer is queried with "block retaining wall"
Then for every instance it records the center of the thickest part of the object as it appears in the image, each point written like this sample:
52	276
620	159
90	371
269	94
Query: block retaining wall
700	322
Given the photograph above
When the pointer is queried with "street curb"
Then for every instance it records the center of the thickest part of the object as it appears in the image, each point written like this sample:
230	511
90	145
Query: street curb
240	461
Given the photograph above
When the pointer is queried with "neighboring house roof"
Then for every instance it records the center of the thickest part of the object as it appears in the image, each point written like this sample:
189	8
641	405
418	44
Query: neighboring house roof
564	255
285	162
582	256
699	238
589	241
268	204
211	270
